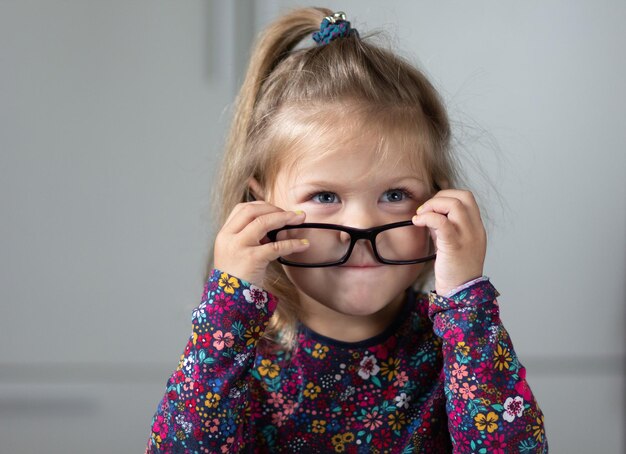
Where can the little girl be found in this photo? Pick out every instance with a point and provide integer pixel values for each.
(338, 199)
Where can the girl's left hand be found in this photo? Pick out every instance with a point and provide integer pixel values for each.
(455, 225)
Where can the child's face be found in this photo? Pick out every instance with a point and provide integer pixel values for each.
(352, 187)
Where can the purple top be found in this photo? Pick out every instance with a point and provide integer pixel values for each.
(443, 377)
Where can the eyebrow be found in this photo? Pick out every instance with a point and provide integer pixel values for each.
(336, 185)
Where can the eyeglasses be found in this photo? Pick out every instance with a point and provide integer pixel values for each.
(399, 243)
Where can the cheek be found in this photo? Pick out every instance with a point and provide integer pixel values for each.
(323, 283)
(303, 277)
(411, 273)
(308, 280)
(404, 209)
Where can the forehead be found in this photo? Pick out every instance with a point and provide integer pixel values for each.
(358, 161)
(348, 145)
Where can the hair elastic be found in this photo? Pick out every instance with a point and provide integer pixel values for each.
(332, 27)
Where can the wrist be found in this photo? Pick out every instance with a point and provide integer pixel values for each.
(239, 287)
(464, 286)
(479, 293)
(447, 290)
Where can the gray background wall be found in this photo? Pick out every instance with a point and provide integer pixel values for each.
(112, 116)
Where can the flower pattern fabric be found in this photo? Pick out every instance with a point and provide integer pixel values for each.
(443, 378)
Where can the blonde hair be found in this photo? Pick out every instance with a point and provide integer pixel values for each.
(288, 93)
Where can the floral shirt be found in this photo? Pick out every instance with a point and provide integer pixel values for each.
(442, 378)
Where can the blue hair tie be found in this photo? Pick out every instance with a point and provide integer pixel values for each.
(332, 27)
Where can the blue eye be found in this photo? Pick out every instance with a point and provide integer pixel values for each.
(395, 195)
(325, 197)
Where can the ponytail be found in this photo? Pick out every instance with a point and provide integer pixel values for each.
(273, 46)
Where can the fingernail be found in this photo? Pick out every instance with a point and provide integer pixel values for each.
(299, 212)
(420, 208)
(304, 241)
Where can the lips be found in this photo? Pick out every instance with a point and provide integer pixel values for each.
(361, 262)
(360, 265)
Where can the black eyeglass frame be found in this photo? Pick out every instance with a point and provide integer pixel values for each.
(355, 235)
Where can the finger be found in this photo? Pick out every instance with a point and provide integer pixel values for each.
(237, 209)
(451, 207)
(462, 194)
(257, 229)
(244, 213)
(468, 200)
(441, 226)
(271, 251)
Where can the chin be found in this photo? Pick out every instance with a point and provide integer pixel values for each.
(360, 303)
(358, 312)
(353, 292)
(355, 302)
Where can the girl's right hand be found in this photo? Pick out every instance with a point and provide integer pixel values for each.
(242, 248)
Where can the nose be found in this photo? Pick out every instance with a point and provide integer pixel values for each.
(360, 217)
(344, 237)
(360, 221)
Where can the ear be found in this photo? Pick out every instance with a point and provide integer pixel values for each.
(255, 190)
(442, 183)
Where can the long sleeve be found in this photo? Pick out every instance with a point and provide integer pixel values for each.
(489, 404)
(207, 398)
